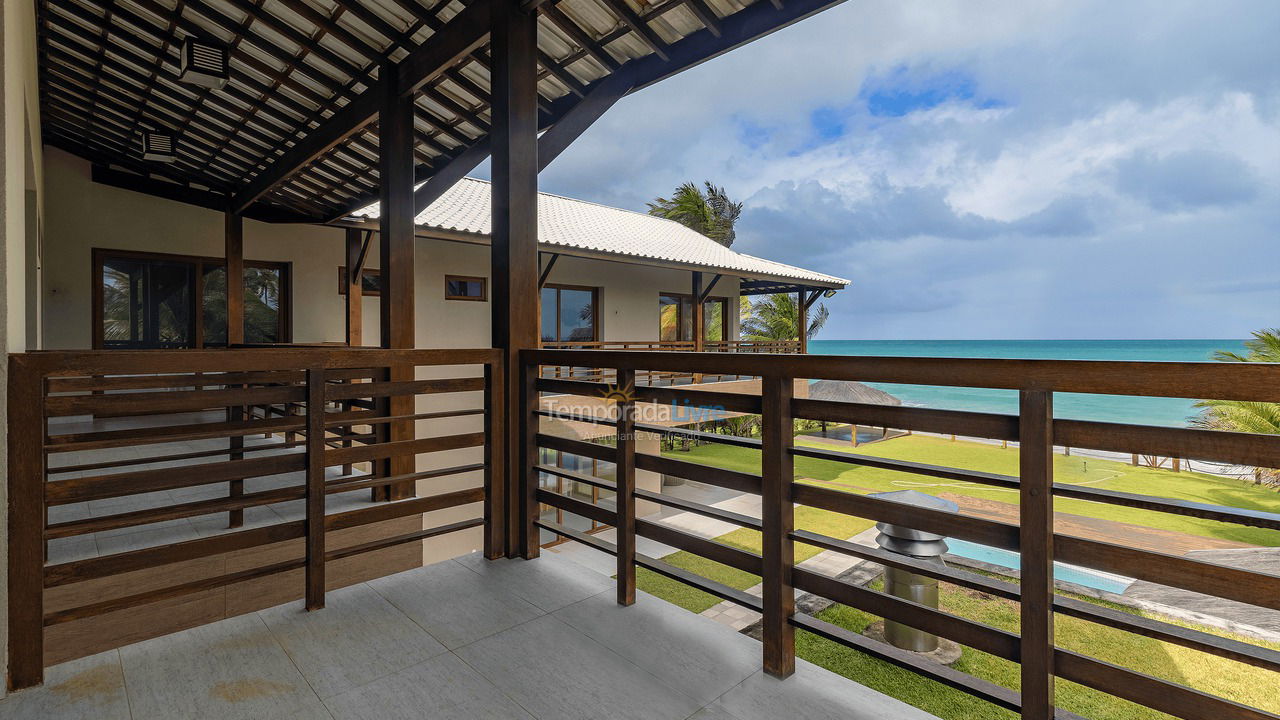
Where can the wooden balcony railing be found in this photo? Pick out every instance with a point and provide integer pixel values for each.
(773, 347)
(71, 476)
(1036, 431)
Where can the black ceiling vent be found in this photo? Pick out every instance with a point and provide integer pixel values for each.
(204, 62)
(158, 146)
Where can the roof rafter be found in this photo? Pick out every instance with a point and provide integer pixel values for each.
(464, 33)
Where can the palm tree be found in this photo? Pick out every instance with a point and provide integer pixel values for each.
(711, 213)
(777, 317)
(1246, 416)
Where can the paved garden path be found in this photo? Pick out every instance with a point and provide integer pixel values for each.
(1111, 531)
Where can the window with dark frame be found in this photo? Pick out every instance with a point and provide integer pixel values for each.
(148, 300)
(570, 313)
(465, 287)
(675, 318)
(370, 281)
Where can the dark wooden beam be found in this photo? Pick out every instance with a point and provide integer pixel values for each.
(546, 270)
(364, 250)
(705, 15)
(640, 26)
(812, 298)
(104, 175)
(514, 250)
(706, 292)
(396, 257)
(449, 174)
(463, 34)
(356, 245)
(575, 32)
(581, 116)
(233, 237)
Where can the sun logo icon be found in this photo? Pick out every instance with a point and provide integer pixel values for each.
(618, 394)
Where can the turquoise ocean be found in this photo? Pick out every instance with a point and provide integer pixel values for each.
(1108, 408)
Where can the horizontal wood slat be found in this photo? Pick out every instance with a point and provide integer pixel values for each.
(1225, 381)
(607, 453)
(348, 456)
(174, 381)
(676, 396)
(64, 363)
(173, 591)
(964, 682)
(404, 387)
(897, 417)
(908, 466)
(987, 532)
(401, 508)
(105, 439)
(1212, 445)
(159, 556)
(1172, 698)
(973, 634)
(170, 401)
(1251, 587)
(172, 512)
(720, 477)
(1139, 624)
(101, 487)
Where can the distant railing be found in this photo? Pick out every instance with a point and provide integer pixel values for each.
(780, 347)
(348, 408)
(1034, 537)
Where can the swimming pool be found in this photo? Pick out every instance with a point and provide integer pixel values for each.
(1095, 579)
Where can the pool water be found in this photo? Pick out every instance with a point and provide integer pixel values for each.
(1075, 574)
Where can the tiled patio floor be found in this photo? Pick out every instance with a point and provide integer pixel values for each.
(465, 638)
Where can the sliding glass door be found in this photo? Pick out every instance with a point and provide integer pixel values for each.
(149, 300)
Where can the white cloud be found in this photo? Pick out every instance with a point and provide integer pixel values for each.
(1112, 167)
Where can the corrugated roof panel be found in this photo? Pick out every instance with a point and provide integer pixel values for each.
(577, 224)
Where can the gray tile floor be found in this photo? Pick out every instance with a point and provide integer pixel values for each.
(466, 638)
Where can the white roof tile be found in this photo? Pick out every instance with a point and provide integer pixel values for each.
(569, 224)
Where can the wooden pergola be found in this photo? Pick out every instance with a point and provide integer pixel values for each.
(332, 104)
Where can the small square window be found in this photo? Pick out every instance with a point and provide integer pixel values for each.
(457, 287)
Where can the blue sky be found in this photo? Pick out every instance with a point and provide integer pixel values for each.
(1035, 169)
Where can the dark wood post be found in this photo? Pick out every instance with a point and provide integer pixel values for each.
(1035, 464)
(26, 524)
(802, 321)
(777, 515)
(315, 489)
(234, 252)
(522, 534)
(395, 245)
(625, 478)
(699, 318)
(495, 503)
(514, 250)
(355, 289)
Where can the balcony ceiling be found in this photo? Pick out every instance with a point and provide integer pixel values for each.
(109, 70)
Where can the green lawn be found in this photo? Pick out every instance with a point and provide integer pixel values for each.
(1235, 681)
(992, 458)
(1225, 678)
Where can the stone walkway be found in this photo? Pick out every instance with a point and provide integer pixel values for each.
(1261, 560)
(827, 562)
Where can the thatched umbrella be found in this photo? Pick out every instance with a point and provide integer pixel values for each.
(849, 391)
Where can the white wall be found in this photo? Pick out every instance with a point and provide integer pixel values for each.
(84, 215)
(20, 210)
